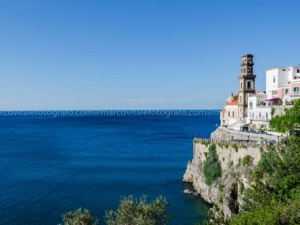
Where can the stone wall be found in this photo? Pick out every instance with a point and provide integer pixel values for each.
(223, 133)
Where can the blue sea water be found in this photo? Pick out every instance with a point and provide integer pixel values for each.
(50, 165)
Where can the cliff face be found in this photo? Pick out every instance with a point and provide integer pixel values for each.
(227, 190)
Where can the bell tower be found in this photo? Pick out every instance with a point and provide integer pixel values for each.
(246, 84)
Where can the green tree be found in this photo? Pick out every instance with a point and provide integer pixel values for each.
(139, 212)
(274, 197)
(290, 121)
(212, 169)
(79, 218)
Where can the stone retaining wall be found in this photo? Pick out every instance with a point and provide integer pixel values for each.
(224, 134)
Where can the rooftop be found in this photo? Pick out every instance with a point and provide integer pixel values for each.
(233, 103)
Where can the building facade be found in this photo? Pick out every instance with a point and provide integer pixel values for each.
(283, 83)
(230, 113)
(235, 110)
(259, 111)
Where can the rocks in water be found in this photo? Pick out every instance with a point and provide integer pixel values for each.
(187, 191)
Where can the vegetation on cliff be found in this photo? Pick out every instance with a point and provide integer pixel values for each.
(274, 194)
(274, 197)
(212, 168)
(130, 212)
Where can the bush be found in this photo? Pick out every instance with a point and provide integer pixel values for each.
(196, 141)
(247, 160)
(212, 169)
(235, 147)
(79, 218)
(241, 187)
(130, 212)
(239, 163)
(220, 145)
(244, 146)
(139, 212)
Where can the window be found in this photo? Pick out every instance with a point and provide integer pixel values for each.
(274, 79)
(259, 115)
(233, 114)
(283, 69)
(296, 90)
(241, 84)
(241, 99)
(267, 115)
(298, 71)
(228, 113)
(249, 84)
(250, 103)
(286, 91)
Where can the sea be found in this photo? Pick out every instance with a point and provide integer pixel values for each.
(52, 164)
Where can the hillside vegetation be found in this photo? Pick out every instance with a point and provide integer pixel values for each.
(274, 194)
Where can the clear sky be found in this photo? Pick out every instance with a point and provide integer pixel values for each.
(138, 54)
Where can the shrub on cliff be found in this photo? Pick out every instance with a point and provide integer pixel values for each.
(274, 196)
(247, 160)
(212, 169)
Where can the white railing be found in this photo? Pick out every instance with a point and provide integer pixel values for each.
(263, 106)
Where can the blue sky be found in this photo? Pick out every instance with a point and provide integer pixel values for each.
(138, 54)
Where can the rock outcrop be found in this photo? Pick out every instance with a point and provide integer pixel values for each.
(226, 191)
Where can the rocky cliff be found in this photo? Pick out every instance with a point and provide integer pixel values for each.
(236, 160)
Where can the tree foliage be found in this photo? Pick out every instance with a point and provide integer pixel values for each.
(212, 169)
(79, 218)
(130, 212)
(139, 212)
(274, 196)
(290, 121)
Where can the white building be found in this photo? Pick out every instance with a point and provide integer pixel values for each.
(259, 111)
(282, 83)
(280, 77)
